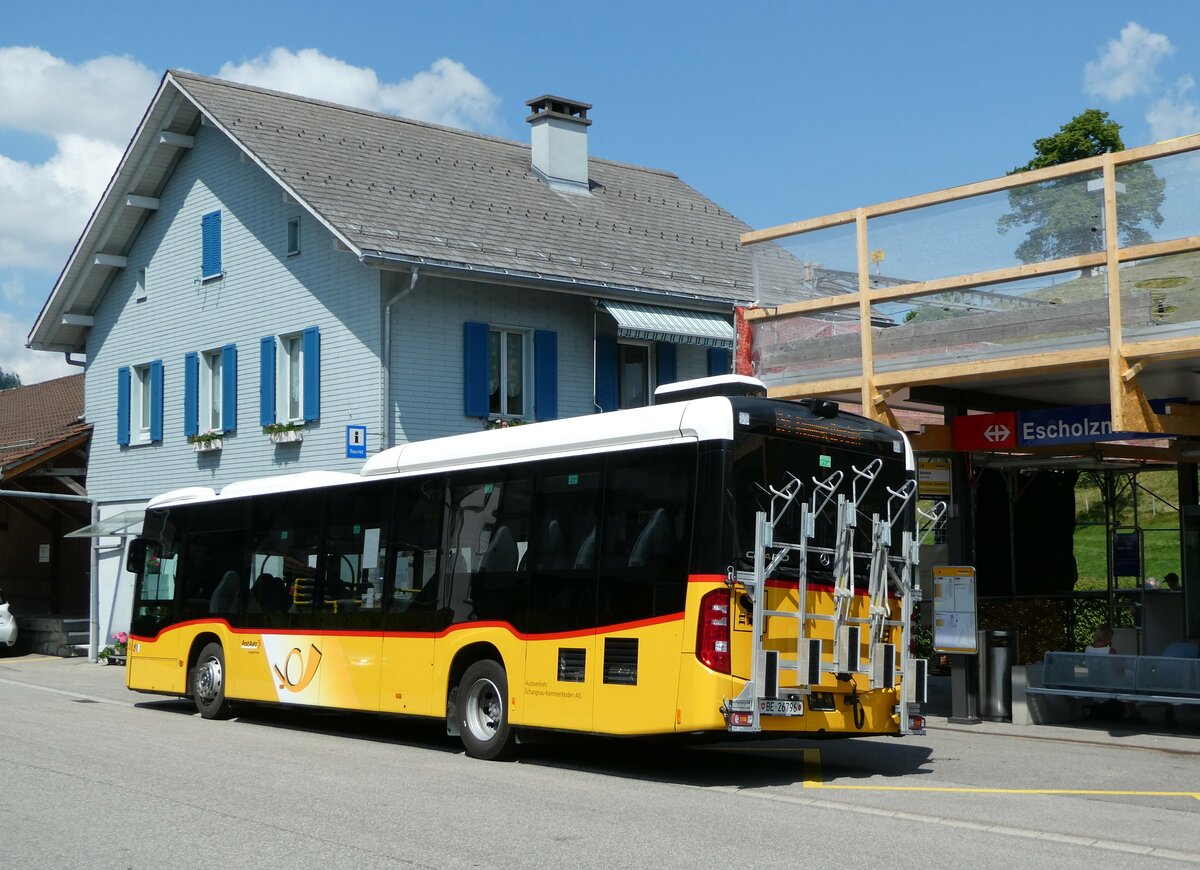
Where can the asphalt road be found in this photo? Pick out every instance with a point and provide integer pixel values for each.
(94, 776)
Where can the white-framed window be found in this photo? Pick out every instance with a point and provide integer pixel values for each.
(210, 391)
(289, 384)
(510, 372)
(293, 237)
(635, 374)
(141, 402)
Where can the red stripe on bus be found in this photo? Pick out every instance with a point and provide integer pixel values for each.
(462, 626)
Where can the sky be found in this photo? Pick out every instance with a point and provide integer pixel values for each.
(776, 111)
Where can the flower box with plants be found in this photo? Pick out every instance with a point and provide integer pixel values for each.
(115, 652)
(206, 441)
(285, 433)
(502, 422)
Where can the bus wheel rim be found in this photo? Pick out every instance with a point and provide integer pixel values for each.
(208, 680)
(484, 709)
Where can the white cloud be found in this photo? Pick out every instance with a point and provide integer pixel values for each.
(34, 366)
(46, 205)
(447, 93)
(90, 110)
(99, 99)
(1128, 65)
(12, 289)
(1175, 114)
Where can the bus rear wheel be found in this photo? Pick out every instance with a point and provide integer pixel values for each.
(208, 683)
(483, 711)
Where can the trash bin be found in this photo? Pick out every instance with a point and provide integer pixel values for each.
(995, 675)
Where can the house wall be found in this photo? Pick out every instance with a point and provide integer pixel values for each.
(263, 292)
(426, 390)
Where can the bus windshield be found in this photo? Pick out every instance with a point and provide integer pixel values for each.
(762, 461)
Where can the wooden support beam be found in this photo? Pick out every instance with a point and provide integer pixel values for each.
(149, 203)
(114, 260)
(78, 320)
(176, 140)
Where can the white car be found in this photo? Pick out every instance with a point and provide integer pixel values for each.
(8, 624)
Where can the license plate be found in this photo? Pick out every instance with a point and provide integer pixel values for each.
(776, 707)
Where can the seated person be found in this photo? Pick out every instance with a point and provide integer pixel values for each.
(1101, 642)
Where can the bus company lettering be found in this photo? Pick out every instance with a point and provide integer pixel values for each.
(1085, 428)
(296, 673)
(251, 645)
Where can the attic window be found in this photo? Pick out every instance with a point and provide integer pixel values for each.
(293, 237)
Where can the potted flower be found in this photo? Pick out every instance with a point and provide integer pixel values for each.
(502, 422)
(114, 653)
(284, 433)
(206, 441)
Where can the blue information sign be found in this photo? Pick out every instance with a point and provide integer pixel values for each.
(356, 442)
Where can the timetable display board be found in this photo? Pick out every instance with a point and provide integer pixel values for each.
(954, 610)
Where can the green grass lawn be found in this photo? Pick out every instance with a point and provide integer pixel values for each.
(1158, 520)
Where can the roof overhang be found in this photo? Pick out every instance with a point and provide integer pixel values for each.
(164, 135)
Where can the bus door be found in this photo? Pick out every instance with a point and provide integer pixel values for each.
(157, 665)
(412, 594)
(281, 602)
(561, 669)
(351, 594)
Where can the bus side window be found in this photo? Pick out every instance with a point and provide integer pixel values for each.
(490, 521)
(646, 533)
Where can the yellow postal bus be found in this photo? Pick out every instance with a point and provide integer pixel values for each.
(714, 563)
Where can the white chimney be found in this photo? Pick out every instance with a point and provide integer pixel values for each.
(559, 139)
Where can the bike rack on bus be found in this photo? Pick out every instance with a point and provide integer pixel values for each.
(808, 661)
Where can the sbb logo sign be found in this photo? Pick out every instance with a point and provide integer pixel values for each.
(985, 431)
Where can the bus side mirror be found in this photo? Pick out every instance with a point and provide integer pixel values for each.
(135, 556)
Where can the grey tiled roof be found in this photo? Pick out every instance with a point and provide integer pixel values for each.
(417, 190)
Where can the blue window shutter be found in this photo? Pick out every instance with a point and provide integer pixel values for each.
(312, 374)
(545, 374)
(475, 369)
(606, 372)
(229, 387)
(191, 394)
(718, 361)
(210, 244)
(266, 380)
(665, 357)
(123, 406)
(156, 401)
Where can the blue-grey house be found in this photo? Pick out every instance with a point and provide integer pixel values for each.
(273, 284)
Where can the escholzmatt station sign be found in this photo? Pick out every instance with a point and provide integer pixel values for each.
(1044, 427)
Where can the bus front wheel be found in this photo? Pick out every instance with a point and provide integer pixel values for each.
(208, 683)
(483, 711)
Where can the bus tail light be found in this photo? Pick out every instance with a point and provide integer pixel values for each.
(712, 635)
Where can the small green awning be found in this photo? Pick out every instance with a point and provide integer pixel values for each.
(676, 325)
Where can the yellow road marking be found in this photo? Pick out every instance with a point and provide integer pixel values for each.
(812, 779)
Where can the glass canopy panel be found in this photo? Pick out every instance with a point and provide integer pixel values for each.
(1015, 318)
(1159, 200)
(806, 266)
(1160, 297)
(806, 347)
(1032, 223)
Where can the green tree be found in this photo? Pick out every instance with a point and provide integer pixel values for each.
(1064, 217)
(8, 380)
